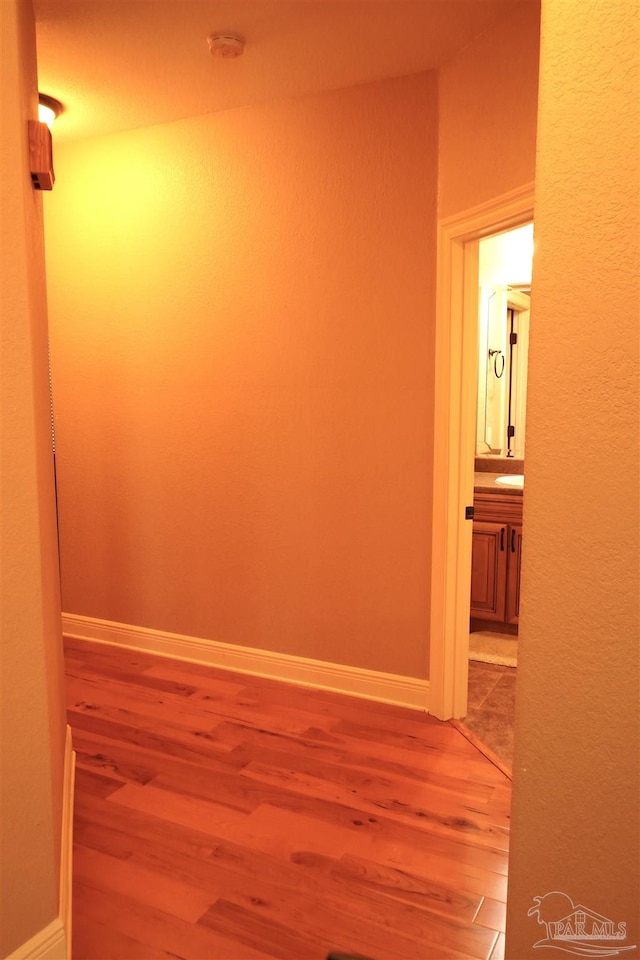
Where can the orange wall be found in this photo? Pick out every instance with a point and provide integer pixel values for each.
(488, 104)
(576, 789)
(242, 330)
(33, 713)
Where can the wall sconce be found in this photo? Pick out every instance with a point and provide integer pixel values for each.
(40, 143)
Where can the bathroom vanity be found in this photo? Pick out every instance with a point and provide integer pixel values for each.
(497, 552)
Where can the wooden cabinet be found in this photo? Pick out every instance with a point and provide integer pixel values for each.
(488, 571)
(495, 562)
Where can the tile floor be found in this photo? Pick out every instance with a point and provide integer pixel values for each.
(492, 695)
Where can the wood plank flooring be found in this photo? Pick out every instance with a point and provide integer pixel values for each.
(225, 817)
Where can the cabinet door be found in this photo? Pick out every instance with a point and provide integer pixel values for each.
(489, 571)
(513, 574)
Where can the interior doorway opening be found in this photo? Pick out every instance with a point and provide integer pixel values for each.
(505, 263)
(457, 340)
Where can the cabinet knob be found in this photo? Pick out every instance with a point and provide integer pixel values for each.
(502, 538)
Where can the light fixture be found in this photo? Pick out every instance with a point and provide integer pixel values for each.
(48, 109)
(40, 143)
(225, 45)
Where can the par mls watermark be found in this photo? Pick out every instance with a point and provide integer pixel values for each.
(574, 928)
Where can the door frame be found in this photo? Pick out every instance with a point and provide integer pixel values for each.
(456, 350)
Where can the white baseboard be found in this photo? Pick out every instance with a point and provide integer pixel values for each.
(339, 678)
(53, 942)
(49, 944)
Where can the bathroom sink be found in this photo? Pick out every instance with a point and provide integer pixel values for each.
(512, 480)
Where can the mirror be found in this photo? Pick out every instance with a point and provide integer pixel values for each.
(503, 344)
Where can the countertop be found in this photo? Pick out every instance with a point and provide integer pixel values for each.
(486, 483)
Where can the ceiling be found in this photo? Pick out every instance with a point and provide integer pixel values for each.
(121, 64)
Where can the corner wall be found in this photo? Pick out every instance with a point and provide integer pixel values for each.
(576, 784)
(33, 710)
(242, 339)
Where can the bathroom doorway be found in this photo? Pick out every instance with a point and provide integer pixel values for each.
(457, 338)
(505, 263)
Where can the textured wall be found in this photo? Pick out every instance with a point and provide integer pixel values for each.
(488, 102)
(242, 326)
(33, 715)
(575, 811)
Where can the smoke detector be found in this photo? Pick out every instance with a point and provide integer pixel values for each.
(225, 45)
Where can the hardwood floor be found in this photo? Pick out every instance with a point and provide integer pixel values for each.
(226, 817)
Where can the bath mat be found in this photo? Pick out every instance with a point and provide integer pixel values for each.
(487, 647)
